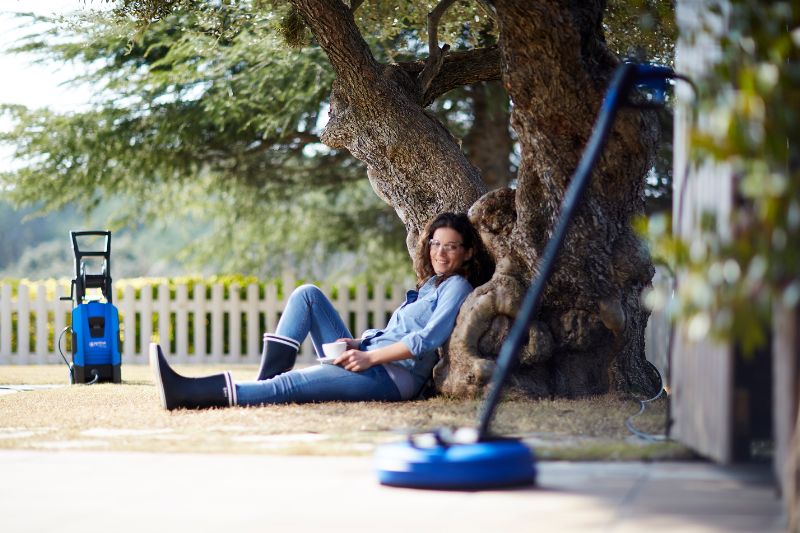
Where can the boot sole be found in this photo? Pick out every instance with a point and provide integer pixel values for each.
(155, 365)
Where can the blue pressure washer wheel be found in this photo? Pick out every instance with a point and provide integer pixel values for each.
(455, 466)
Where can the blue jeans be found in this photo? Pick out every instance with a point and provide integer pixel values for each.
(308, 311)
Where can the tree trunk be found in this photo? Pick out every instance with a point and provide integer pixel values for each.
(589, 334)
(413, 162)
(488, 145)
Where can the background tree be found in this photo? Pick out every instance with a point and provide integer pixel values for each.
(180, 126)
(554, 64)
(555, 67)
(184, 98)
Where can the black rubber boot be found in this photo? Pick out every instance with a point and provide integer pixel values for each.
(190, 393)
(278, 355)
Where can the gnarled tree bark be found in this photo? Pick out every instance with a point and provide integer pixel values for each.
(589, 335)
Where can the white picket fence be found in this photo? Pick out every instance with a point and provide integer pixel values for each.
(30, 325)
(195, 331)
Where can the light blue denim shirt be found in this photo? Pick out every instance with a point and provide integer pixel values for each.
(423, 323)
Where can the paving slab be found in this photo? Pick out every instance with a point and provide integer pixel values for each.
(119, 491)
(11, 389)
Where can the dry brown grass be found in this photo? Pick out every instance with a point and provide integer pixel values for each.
(128, 416)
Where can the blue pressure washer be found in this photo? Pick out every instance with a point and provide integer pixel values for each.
(469, 458)
(95, 324)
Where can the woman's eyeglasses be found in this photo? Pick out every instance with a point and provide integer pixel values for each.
(448, 248)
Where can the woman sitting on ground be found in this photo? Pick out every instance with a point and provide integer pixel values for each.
(388, 364)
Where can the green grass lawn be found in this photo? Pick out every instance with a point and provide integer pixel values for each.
(128, 416)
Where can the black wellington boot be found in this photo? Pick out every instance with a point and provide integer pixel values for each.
(278, 355)
(191, 393)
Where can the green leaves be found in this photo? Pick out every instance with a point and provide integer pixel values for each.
(202, 112)
(748, 107)
(641, 29)
(201, 109)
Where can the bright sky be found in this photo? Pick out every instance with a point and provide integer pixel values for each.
(36, 85)
(30, 84)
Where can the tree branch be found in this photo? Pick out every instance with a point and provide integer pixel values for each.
(488, 8)
(458, 69)
(333, 25)
(436, 55)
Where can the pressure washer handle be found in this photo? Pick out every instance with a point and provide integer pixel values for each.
(83, 280)
(71, 292)
(626, 77)
(106, 252)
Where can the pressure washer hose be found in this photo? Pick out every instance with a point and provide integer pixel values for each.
(69, 365)
(58, 344)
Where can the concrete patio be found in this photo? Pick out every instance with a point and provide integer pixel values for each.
(83, 491)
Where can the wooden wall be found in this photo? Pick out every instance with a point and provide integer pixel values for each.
(702, 371)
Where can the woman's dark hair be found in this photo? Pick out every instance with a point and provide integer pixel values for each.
(478, 269)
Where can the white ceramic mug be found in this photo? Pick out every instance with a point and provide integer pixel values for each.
(334, 349)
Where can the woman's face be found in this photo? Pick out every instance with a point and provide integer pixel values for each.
(447, 251)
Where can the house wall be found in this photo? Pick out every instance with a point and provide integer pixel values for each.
(703, 400)
(701, 370)
(785, 379)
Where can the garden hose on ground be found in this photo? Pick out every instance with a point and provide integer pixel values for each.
(643, 403)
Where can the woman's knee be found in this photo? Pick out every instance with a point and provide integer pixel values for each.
(307, 293)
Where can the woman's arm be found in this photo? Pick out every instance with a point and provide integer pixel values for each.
(439, 326)
(357, 360)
